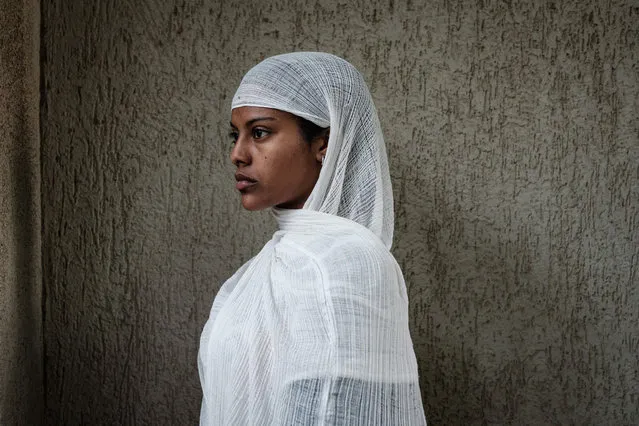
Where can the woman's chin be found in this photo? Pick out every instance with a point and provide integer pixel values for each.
(251, 204)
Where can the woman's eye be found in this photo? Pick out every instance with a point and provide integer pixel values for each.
(259, 133)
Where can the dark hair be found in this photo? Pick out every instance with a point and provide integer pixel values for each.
(310, 131)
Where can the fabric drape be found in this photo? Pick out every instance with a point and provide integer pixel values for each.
(314, 329)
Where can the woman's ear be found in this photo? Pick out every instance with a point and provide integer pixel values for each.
(322, 144)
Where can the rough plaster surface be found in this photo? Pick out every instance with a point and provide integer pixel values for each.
(514, 148)
(21, 391)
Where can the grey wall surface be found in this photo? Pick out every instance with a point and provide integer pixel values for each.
(21, 372)
(514, 148)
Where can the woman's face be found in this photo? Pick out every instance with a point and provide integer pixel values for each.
(275, 165)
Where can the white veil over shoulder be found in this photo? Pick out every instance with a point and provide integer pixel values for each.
(314, 329)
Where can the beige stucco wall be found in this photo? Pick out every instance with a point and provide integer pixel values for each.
(514, 148)
(21, 372)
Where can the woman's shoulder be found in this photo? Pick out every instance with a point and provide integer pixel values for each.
(349, 250)
(331, 240)
(346, 264)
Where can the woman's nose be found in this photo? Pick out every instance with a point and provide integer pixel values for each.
(239, 153)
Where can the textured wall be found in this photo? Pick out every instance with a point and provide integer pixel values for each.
(514, 148)
(21, 391)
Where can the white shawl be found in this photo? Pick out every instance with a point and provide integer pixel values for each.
(314, 329)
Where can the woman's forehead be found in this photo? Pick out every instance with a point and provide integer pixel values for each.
(251, 114)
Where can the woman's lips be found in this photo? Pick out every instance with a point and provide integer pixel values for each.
(243, 181)
(241, 185)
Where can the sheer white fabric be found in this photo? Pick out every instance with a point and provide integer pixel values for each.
(314, 329)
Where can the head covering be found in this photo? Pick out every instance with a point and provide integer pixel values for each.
(327, 90)
(314, 329)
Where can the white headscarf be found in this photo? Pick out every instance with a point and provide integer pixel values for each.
(330, 92)
(314, 329)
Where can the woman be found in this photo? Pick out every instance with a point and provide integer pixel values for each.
(314, 329)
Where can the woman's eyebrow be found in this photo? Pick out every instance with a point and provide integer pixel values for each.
(248, 123)
(254, 120)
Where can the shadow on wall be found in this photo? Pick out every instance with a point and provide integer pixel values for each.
(489, 336)
(22, 358)
(478, 363)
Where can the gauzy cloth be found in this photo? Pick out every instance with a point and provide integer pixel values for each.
(314, 329)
